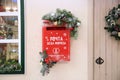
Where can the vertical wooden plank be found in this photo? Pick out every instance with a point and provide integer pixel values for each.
(96, 39)
(114, 60)
(102, 39)
(118, 57)
(105, 46)
(114, 50)
(99, 35)
(108, 46)
(90, 40)
(118, 62)
(108, 58)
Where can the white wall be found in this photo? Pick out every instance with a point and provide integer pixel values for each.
(77, 68)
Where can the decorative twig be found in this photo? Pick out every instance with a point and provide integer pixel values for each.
(46, 63)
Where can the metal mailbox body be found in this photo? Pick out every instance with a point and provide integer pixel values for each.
(56, 42)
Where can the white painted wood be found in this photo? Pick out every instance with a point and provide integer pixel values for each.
(90, 40)
(108, 49)
(18, 14)
(9, 13)
(105, 46)
(102, 39)
(96, 39)
(118, 62)
(9, 41)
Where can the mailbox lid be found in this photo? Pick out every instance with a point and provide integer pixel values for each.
(56, 42)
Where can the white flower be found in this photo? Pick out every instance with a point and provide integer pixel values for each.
(78, 23)
(52, 14)
(108, 20)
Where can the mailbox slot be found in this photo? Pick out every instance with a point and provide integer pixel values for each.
(56, 28)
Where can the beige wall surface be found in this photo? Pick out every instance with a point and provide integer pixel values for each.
(77, 68)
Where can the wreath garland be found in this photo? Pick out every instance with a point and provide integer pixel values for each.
(113, 22)
(59, 18)
(64, 18)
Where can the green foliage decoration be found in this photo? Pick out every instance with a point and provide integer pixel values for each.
(10, 65)
(46, 64)
(113, 22)
(60, 17)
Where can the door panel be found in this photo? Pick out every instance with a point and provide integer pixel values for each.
(105, 46)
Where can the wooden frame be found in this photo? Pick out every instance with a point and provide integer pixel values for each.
(90, 39)
(11, 36)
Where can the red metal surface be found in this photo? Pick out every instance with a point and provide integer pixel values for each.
(56, 42)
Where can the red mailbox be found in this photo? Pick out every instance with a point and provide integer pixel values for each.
(56, 42)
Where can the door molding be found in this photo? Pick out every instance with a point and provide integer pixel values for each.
(90, 38)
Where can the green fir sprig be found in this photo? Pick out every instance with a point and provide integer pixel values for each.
(61, 17)
(46, 64)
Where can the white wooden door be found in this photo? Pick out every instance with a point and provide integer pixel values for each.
(105, 46)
